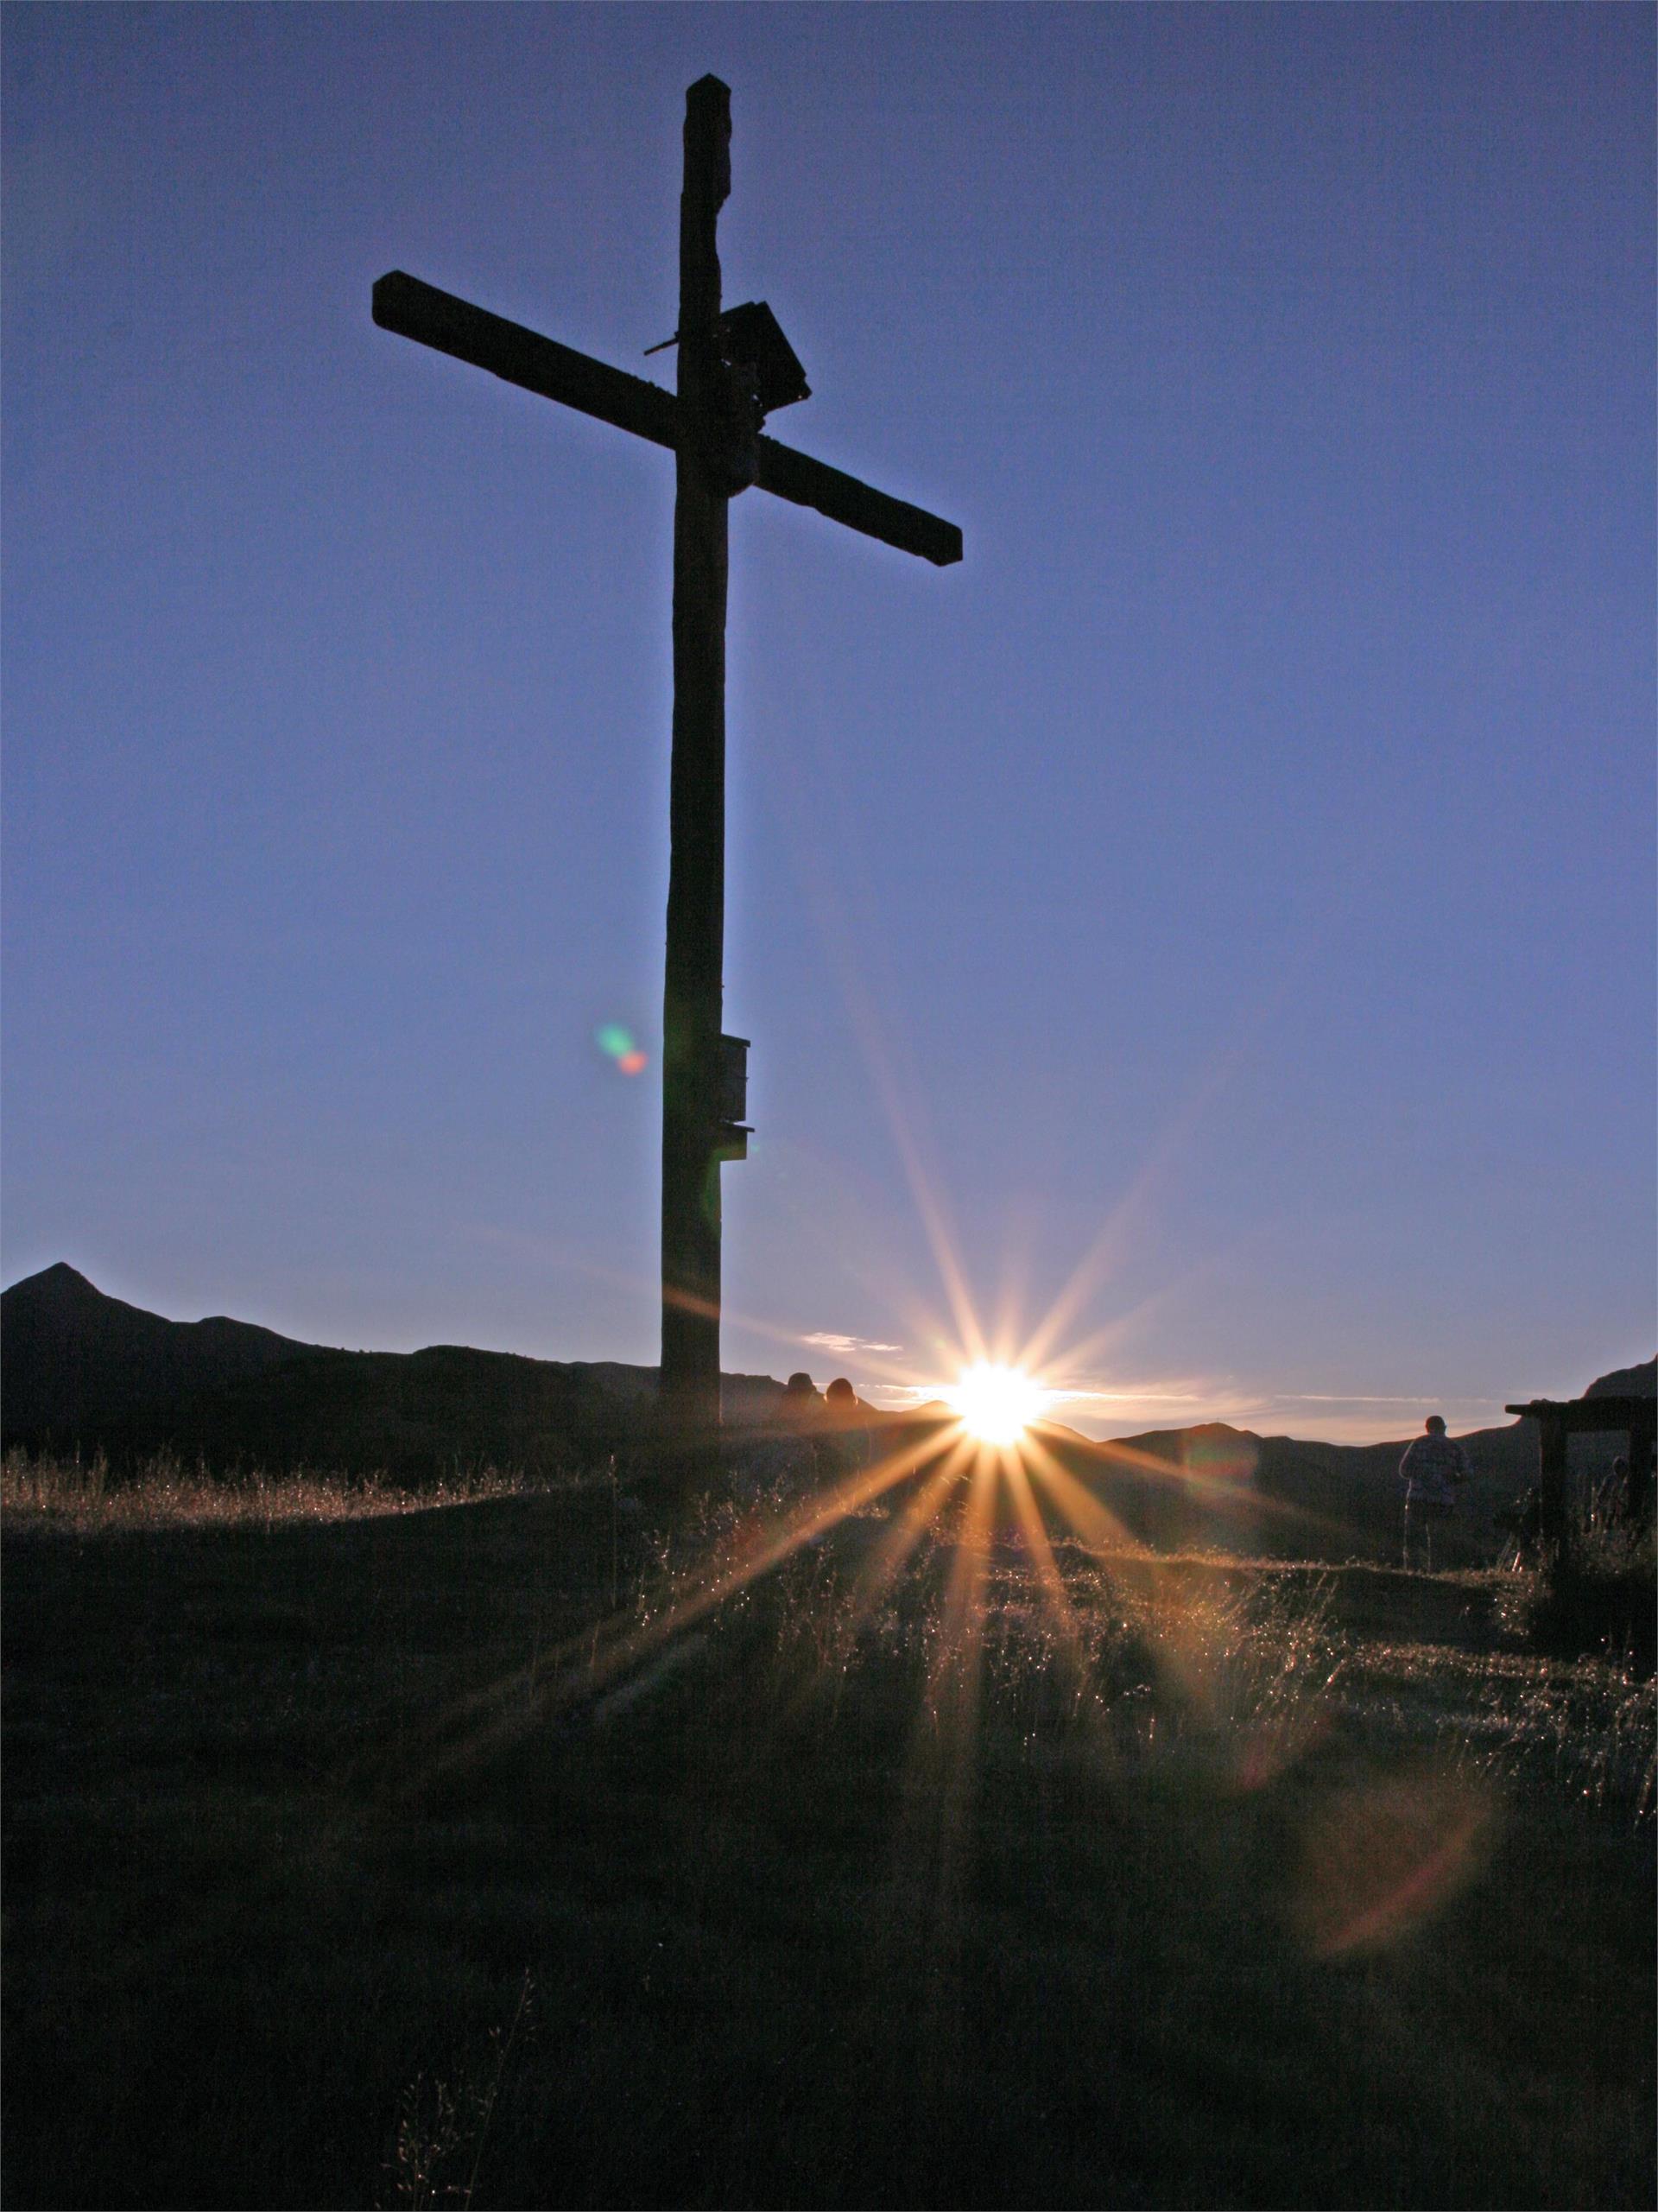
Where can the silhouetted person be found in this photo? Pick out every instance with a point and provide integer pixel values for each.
(803, 1400)
(786, 1451)
(1641, 1487)
(1524, 1523)
(1431, 1469)
(850, 1439)
(1635, 1503)
(800, 1428)
(1612, 1503)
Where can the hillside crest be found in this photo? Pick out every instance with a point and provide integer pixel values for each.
(86, 1373)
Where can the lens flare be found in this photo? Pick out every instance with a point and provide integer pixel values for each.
(618, 1044)
(997, 1404)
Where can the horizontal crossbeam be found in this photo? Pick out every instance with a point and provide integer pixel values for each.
(844, 499)
(1579, 1416)
(404, 304)
(520, 357)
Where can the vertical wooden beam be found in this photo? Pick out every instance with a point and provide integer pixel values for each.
(1551, 1477)
(693, 986)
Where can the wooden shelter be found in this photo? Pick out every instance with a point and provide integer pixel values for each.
(1559, 1418)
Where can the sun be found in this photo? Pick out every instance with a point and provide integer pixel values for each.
(997, 1404)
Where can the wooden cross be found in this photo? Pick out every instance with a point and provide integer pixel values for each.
(712, 428)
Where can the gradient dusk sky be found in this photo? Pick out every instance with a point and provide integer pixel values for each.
(1223, 906)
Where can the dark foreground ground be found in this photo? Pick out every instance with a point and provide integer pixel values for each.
(361, 1863)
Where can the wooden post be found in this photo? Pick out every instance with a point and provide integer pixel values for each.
(693, 986)
(1551, 1477)
(713, 426)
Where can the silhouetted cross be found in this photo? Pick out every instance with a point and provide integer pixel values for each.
(712, 427)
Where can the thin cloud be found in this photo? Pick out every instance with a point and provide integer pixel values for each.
(1358, 1398)
(833, 1341)
(1121, 1407)
(1149, 1396)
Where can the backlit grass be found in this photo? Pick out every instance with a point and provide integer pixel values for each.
(379, 1857)
(166, 1493)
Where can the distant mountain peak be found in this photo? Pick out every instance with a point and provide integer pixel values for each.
(74, 1355)
(59, 1276)
(1627, 1382)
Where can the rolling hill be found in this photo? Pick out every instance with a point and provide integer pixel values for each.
(86, 1373)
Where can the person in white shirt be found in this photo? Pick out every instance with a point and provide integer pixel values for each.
(1431, 1470)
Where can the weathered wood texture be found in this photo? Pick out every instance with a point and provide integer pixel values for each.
(1591, 1417)
(1559, 1418)
(844, 499)
(507, 350)
(711, 428)
(1553, 1477)
(413, 309)
(693, 985)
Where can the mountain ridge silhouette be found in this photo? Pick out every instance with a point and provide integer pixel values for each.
(86, 1373)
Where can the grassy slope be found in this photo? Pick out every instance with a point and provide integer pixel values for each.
(1279, 1887)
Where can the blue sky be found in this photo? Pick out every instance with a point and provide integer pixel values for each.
(1224, 905)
